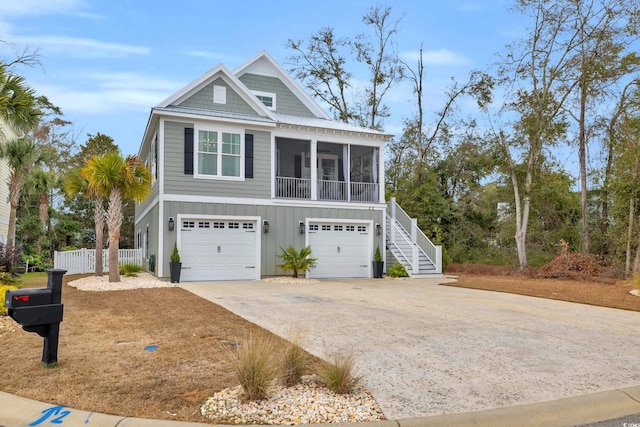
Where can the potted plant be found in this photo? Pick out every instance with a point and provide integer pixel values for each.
(378, 264)
(175, 266)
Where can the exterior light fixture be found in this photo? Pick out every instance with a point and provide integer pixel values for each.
(301, 227)
(378, 229)
(265, 226)
(172, 223)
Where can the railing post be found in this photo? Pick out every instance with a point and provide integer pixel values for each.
(415, 262)
(438, 260)
(392, 239)
(84, 256)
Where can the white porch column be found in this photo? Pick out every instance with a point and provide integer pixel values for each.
(381, 175)
(313, 165)
(415, 261)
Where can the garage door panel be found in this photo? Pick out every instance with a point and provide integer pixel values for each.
(342, 250)
(219, 250)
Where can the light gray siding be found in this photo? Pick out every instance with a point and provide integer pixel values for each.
(177, 182)
(203, 100)
(283, 225)
(154, 189)
(150, 221)
(286, 101)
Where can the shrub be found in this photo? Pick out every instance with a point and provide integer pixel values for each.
(8, 279)
(397, 270)
(293, 363)
(377, 256)
(3, 289)
(255, 365)
(41, 261)
(296, 261)
(175, 256)
(130, 269)
(337, 373)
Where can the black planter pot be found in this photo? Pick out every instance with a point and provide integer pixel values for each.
(174, 270)
(378, 267)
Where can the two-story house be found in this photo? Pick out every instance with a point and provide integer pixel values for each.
(246, 162)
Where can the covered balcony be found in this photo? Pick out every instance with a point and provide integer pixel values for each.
(341, 172)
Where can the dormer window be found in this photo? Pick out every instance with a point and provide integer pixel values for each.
(267, 98)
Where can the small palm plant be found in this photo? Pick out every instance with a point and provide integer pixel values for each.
(296, 261)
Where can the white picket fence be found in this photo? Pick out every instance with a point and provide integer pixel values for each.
(84, 260)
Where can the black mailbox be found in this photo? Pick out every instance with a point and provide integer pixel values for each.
(31, 307)
(40, 311)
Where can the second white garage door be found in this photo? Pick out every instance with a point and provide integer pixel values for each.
(218, 249)
(342, 249)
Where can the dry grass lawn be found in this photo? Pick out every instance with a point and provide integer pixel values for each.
(103, 365)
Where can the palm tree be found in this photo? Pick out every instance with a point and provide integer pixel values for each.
(296, 261)
(118, 179)
(39, 184)
(18, 112)
(74, 184)
(21, 155)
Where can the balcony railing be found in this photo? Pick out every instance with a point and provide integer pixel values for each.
(293, 188)
(332, 190)
(364, 192)
(300, 188)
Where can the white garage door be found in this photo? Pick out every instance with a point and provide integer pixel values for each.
(218, 249)
(342, 249)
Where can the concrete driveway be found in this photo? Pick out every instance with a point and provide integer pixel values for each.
(427, 350)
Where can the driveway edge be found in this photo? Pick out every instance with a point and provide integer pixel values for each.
(18, 411)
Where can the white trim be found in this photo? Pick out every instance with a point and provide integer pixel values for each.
(218, 72)
(160, 255)
(271, 95)
(199, 117)
(288, 81)
(148, 209)
(330, 136)
(272, 202)
(258, 229)
(370, 234)
(219, 129)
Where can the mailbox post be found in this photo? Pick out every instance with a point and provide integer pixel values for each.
(40, 311)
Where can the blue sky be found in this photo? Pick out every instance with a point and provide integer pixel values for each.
(106, 63)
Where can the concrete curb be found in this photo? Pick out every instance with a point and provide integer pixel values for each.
(21, 412)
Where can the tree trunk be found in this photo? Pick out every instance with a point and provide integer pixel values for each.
(99, 221)
(114, 222)
(627, 264)
(14, 197)
(582, 153)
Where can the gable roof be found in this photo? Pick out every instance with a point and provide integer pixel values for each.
(264, 64)
(222, 72)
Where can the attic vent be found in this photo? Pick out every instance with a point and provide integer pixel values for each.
(219, 94)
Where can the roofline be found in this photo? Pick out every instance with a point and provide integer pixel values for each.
(230, 79)
(307, 100)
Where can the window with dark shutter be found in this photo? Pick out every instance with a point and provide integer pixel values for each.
(248, 156)
(188, 151)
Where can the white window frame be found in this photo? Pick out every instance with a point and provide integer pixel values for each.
(196, 151)
(271, 95)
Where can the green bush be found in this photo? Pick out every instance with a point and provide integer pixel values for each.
(255, 365)
(296, 261)
(175, 256)
(397, 270)
(3, 289)
(293, 363)
(40, 261)
(9, 279)
(130, 269)
(377, 256)
(337, 373)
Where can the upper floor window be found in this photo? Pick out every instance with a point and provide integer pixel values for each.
(219, 154)
(267, 98)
